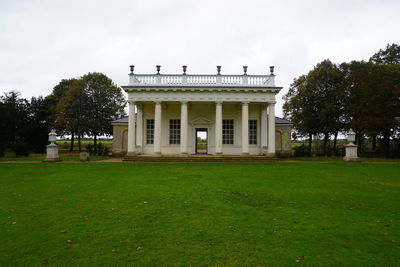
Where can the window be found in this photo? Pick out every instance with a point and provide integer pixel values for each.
(150, 132)
(252, 132)
(227, 132)
(174, 132)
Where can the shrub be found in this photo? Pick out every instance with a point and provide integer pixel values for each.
(301, 151)
(90, 149)
(106, 151)
(2, 149)
(21, 149)
(99, 149)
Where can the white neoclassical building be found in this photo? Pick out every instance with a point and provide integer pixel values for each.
(185, 114)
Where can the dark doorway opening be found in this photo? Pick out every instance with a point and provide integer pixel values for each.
(201, 141)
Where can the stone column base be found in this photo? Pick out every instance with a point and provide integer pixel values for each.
(351, 153)
(184, 154)
(270, 155)
(244, 154)
(157, 154)
(351, 159)
(131, 154)
(218, 154)
(52, 153)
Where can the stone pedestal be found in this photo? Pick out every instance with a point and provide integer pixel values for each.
(84, 156)
(351, 153)
(52, 153)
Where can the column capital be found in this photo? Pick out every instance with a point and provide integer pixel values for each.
(184, 102)
(245, 102)
(131, 102)
(218, 102)
(272, 103)
(157, 102)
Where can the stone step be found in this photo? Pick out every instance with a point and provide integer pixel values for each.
(200, 159)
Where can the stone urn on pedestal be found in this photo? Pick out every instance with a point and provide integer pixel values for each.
(351, 148)
(52, 149)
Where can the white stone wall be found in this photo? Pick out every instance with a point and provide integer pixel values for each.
(201, 115)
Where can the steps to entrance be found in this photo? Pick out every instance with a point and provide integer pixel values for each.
(199, 158)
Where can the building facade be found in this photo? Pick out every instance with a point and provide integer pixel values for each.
(201, 114)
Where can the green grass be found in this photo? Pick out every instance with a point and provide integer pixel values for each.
(64, 156)
(200, 214)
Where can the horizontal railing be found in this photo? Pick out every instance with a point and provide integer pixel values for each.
(201, 80)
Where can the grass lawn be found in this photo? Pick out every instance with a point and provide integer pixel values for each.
(200, 214)
(65, 156)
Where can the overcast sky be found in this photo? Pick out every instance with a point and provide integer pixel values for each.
(44, 41)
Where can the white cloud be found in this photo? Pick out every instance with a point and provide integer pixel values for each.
(42, 42)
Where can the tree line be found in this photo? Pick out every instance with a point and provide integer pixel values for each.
(78, 107)
(362, 95)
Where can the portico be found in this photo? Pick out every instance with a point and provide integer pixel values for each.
(237, 112)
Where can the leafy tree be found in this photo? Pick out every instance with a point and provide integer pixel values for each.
(24, 124)
(326, 80)
(390, 55)
(88, 105)
(71, 110)
(38, 123)
(105, 103)
(374, 91)
(315, 102)
(300, 107)
(54, 98)
(13, 118)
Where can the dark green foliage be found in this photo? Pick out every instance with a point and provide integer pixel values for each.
(2, 149)
(88, 106)
(301, 151)
(98, 149)
(390, 55)
(364, 96)
(21, 149)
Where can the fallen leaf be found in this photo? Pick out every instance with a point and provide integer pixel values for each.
(63, 231)
(299, 259)
(45, 261)
(139, 248)
(69, 241)
(14, 223)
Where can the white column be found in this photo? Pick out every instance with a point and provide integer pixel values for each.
(131, 130)
(184, 127)
(264, 128)
(218, 128)
(157, 128)
(245, 128)
(271, 129)
(139, 128)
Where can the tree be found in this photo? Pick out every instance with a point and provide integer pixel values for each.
(374, 103)
(13, 118)
(38, 123)
(315, 102)
(24, 124)
(88, 106)
(54, 98)
(71, 110)
(326, 80)
(105, 103)
(390, 55)
(300, 107)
